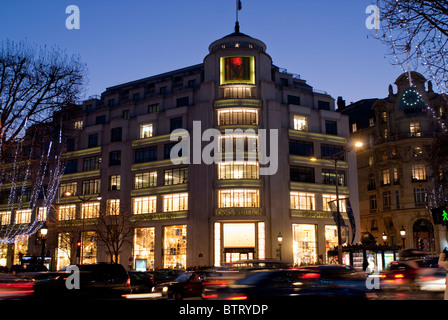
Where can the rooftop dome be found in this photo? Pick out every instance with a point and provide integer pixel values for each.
(237, 40)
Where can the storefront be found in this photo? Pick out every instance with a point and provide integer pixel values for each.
(175, 246)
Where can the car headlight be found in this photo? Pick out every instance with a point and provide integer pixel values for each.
(153, 289)
(165, 289)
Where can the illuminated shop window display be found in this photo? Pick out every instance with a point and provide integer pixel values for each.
(331, 239)
(3, 253)
(175, 246)
(89, 247)
(64, 250)
(20, 247)
(239, 170)
(238, 116)
(238, 69)
(304, 244)
(229, 198)
(239, 241)
(144, 239)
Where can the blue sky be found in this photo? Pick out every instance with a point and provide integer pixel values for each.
(325, 41)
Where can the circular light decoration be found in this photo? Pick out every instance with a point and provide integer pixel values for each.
(411, 97)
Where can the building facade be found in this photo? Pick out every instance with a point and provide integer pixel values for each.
(119, 169)
(393, 170)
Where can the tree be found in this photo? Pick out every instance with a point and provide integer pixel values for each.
(438, 180)
(34, 83)
(416, 33)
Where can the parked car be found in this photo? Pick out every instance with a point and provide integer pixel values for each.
(188, 284)
(402, 274)
(141, 281)
(98, 281)
(290, 284)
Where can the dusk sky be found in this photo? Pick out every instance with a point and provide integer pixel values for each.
(325, 41)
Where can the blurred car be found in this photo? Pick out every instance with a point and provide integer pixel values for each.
(12, 287)
(314, 281)
(165, 275)
(432, 279)
(403, 274)
(188, 284)
(18, 268)
(141, 281)
(98, 281)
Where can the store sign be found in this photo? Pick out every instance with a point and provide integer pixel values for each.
(239, 212)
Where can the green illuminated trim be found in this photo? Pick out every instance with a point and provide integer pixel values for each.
(81, 175)
(238, 103)
(239, 183)
(155, 139)
(240, 211)
(222, 68)
(81, 153)
(160, 190)
(159, 216)
(316, 136)
(300, 160)
(14, 206)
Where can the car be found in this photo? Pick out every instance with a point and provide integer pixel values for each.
(188, 284)
(326, 281)
(18, 268)
(432, 279)
(12, 287)
(98, 281)
(402, 274)
(141, 281)
(165, 275)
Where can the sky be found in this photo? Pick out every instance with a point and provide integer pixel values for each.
(326, 42)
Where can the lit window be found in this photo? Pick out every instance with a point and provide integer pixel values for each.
(418, 172)
(238, 170)
(67, 189)
(326, 198)
(67, 212)
(114, 182)
(175, 246)
(113, 207)
(144, 239)
(414, 128)
(23, 216)
(175, 202)
(145, 205)
(237, 70)
(176, 176)
(238, 198)
(238, 116)
(300, 123)
(238, 143)
(78, 125)
(145, 180)
(303, 201)
(386, 177)
(41, 214)
(146, 130)
(5, 218)
(90, 210)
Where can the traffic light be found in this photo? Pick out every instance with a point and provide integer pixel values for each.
(78, 249)
(440, 216)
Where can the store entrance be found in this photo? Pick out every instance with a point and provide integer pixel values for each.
(236, 254)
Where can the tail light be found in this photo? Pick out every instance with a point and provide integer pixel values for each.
(237, 298)
(128, 282)
(210, 296)
(429, 278)
(399, 276)
(311, 275)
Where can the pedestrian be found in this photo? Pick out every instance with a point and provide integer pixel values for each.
(443, 262)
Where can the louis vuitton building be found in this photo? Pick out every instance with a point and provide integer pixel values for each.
(119, 170)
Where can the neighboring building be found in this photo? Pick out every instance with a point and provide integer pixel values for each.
(393, 169)
(118, 164)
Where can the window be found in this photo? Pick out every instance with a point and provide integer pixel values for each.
(144, 239)
(354, 127)
(23, 216)
(331, 127)
(300, 123)
(167, 150)
(5, 218)
(136, 96)
(237, 70)
(323, 105)
(304, 244)
(414, 128)
(111, 102)
(418, 172)
(175, 123)
(93, 141)
(116, 134)
(419, 196)
(114, 182)
(386, 177)
(371, 161)
(372, 202)
(145, 180)
(90, 210)
(396, 179)
(67, 212)
(146, 130)
(113, 207)
(67, 189)
(91, 186)
(328, 177)
(145, 205)
(235, 92)
(184, 101)
(397, 199)
(163, 91)
(371, 122)
(70, 144)
(71, 166)
(192, 83)
(115, 158)
(301, 148)
(238, 170)
(301, 174)
(303, 201)
(238, 116)
(126, 114)
(175, 202)
(386, 200)
(146, 154)
(329, 150)
(238, 143)
(230, 198)
(384, 117)
(327, 198)
(175, 247)
(293, 100)
(372, 182)
(41, 213)
(100, 119)
(176, 176)
(91, 163)
(78, 125)
(153, 108)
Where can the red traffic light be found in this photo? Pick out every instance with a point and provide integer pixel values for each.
(78, 244)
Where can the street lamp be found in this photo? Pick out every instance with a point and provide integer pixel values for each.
(43, 234)
(384, 237)
(280, 240)
(336, 157)
(403, 235)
